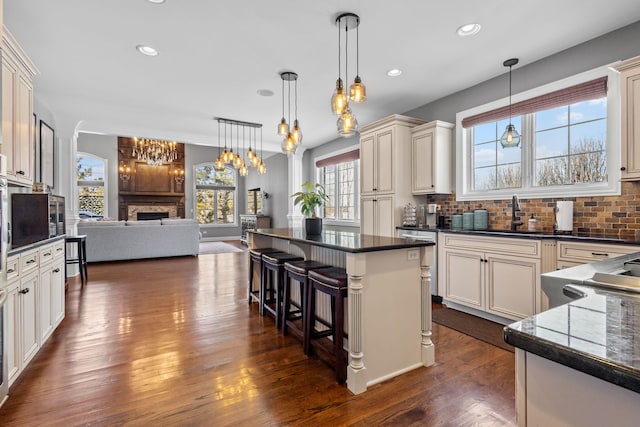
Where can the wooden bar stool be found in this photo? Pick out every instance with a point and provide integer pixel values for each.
(333, 282)
(272, 281)
(255, 257)
(81, 249)
(296, 270)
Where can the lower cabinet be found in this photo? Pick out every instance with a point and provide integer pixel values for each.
(480, 273)
(35, 305)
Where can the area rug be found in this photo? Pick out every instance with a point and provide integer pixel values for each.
(477, 327)
(217, 248)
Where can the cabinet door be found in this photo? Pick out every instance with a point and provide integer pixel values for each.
(367, 164)
(512, 286)
(57, 293)
(45, 326)
(630, 82)
(29, 331)
(8, 76)
(384, 216)
(464, 277)
(367, 215)
(385, 158)
(12, 317)
(24, 150)
(422, 180)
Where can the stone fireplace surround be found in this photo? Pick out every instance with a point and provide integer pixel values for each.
(130, 205)
(133, 210)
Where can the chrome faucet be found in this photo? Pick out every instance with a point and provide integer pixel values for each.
(515, 207)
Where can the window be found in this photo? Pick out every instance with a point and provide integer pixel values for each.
(215, 195)
(91, 182)
(569, 142)
(339, 176)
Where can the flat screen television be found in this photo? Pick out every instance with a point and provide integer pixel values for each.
(36, 217)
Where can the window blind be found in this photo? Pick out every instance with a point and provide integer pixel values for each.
(592, 89)
(340, 158)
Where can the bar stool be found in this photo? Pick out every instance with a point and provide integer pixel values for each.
(272, 281)
(81, 260)
(333, 282)
(296, 270)
(255, 257)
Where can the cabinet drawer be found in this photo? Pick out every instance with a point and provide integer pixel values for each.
(587, 252)
(45, 254)
(13, 267)
(28, 261)
(58, 249)
(506, 245)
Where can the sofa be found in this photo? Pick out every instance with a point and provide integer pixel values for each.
(123, 240)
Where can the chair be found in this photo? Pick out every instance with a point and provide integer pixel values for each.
(81, 249)
(255, 257)
(272, 281)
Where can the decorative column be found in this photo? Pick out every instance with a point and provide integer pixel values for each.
(356, 371)
(427, 348)
(295, 183)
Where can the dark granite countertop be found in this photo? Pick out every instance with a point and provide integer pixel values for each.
(14, 251)
(597, 334)
(523, 234)
(346, 241)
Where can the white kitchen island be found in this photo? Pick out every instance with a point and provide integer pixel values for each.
(389, 299)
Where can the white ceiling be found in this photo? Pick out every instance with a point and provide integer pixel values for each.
(215, 55)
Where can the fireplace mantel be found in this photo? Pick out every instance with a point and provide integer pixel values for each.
(129, 205)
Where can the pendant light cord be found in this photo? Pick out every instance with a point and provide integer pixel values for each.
(510, 93)
(283, 98)
(219, 144)
(296, 99)
(358, 46)
(346, 50)
(339, 49)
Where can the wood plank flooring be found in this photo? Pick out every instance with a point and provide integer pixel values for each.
(174, 342)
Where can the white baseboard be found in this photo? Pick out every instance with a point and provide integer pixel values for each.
(219, 239)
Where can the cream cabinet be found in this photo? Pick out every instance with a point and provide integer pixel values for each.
(35, 306)
(431, 157)
(385, 173)
(571, 253)
(630, 96)
(499, 276)
(17, 112)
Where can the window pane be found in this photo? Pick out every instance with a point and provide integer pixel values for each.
(484, 133)
(340, 186)
(485, 154)
(588, 167)
(509, 176)
(330, 190)
(551, 143)
(89, 169)
(225, 207)
(588, 137)
(495, 167)
(91, 199)
(553, 118)
(215, 195)
(484, 178)
(588, 110)
(551, 171)
(204, 206)
(508, 155)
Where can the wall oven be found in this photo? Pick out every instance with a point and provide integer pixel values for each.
(4, 382)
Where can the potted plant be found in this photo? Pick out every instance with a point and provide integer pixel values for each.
(311, 198)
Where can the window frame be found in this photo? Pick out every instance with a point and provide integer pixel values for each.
(356, 178)
(105, 181)
(464, 149)
(235, 196)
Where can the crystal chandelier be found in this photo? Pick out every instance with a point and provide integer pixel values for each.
(154, 152)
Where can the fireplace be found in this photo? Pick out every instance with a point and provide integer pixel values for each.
(145, 216)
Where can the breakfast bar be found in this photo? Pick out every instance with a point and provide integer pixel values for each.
(389, 298)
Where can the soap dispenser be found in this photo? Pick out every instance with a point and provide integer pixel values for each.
(531, 225)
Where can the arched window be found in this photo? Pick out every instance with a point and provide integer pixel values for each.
(92, 181)
(215, 194)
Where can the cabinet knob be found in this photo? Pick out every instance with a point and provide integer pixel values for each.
(31, 261)
(24, 291)
(57, 270)
(20, 172)
(11, 270)
(623, 168)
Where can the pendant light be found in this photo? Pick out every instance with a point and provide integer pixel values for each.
(283, 126)
(510, 137)
(347, 124)
(219, 162)
(357, 91)
(294, 135)
(237, 159)
(262, 169)
(339, 97)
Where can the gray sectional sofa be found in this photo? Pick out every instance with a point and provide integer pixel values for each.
(123, 240)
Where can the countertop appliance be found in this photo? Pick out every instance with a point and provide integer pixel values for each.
(36, 217)
(429, 236)
(620, 273)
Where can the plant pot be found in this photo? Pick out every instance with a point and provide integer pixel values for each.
(313, 226)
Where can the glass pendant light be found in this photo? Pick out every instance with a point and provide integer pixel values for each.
(283, 126)
(347, 123)
(339, 98)
(510, 137)
(294, 135)
(296, 132)
(357, 91)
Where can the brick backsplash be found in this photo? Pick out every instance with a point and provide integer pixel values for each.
(602, 216)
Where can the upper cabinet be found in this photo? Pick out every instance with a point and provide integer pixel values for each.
(630, 92)
(431, 150)
(17, 112)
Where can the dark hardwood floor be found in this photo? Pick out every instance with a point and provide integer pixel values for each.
(173, 342)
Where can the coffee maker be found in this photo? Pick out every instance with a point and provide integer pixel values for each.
(432, 215)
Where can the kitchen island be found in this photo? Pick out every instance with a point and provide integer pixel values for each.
(579, 363)
(389, 299)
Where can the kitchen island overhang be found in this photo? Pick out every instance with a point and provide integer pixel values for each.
(389, 298)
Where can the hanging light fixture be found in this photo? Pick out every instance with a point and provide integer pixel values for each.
(236, 158)
(262, 169)
(294, 134)
(219, 162)
(510, 137)
(283, 126)
(154, 152)
(347, 123)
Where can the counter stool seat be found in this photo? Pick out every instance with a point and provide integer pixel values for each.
(333, 282)
(255, 257)
(272, 281)
(296, 270)
(81, 249)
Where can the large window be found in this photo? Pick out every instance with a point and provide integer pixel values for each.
(91, 181)
(215, 195)
(568, 148)
(339, 176)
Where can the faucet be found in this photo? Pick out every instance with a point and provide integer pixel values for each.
(515, 207)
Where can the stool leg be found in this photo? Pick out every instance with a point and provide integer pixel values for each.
(309, 319)
(286, 301)
(263, 287)
(250, 279)
(279, 285)
(338, 325)
(84, 260)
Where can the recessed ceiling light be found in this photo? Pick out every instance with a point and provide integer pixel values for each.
(265, 92)
(147, 50)
(469, 29)
(394, 72)
(156, 1)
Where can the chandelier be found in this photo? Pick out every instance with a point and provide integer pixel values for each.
(292, 135)
(154, 152)
(249, 132)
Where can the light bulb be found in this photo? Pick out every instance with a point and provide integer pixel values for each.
(283, 127)
(339, 99)
(357, 92)
(296, 132)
